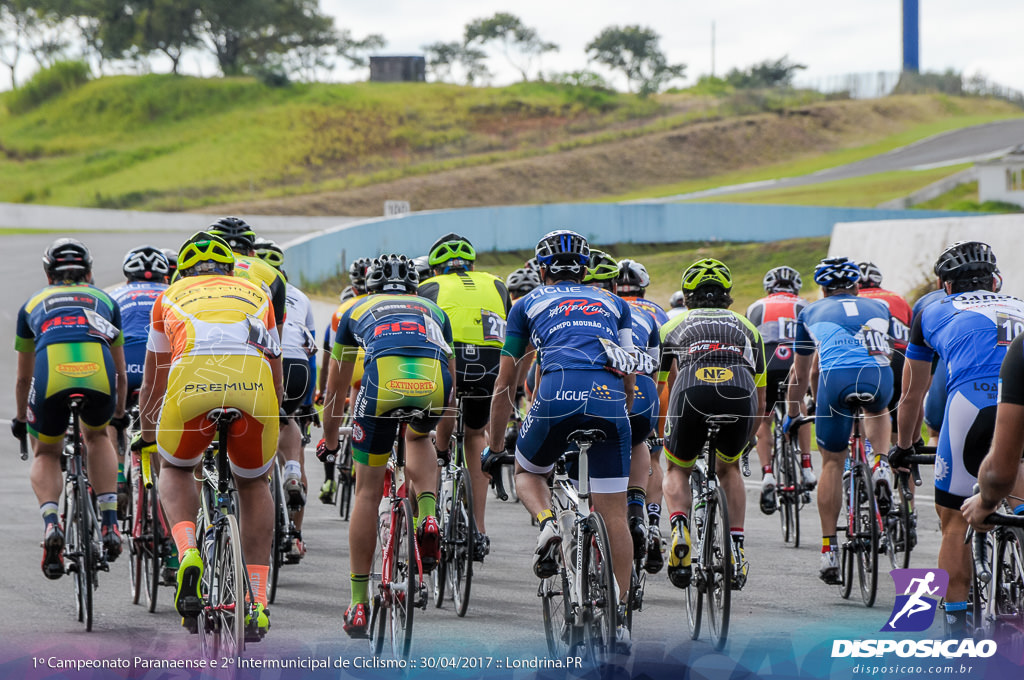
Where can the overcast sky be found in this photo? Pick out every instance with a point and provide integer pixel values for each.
(831, 38)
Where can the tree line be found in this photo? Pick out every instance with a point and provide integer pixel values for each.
(282, 40)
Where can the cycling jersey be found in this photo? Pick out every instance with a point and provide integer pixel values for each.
(647, 341)
(476, 302)
(935, 400)
(70, 329)
(1011, 374)
(298, 350)
(652, 308)
(216, 330)
(256, 270)
(136, 299)
(332, 330)
(899, 311)
(703, 339)
(775, 317)
(847, 331)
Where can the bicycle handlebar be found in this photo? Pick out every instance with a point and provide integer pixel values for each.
(494, 470)
(797, 423)
(1002, 520)
(23, 441)
(981, 557)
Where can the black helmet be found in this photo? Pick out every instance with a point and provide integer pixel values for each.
(633, 277)
(563, 251)
(172, 261)
(870, 275)
(357, 273)
(146, 263)
(522, 281)
(392, 274)
(67, 259)
(236, 232)
(964, 258)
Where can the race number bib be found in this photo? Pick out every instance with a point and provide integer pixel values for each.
(100, 327)
(435, 335)
(876, 342)
(494, 325)
(617, 360)
(787, 329)
(644, 362)
(1008, 328)
(261, 339)
(900, 332)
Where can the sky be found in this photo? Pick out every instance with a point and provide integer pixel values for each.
(830, 38)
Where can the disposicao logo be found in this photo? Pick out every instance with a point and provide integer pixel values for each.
(921, 590)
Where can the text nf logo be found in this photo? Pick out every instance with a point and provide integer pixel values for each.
(918, 592)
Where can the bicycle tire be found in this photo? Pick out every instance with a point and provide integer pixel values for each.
(231, 577)
(559, 630)
(979, 591)
(135, 533)
(597, 590)
(439, 577)
(904, 525)
(866, 536)
(718, 553)
(695, 594)
(277, 540)
(783, 492)
(151, 550)
(1008, 583)
(87, 549)
(72, 554)
(404, 580)
(463, 526)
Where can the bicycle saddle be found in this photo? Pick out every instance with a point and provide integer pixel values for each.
(223, 415)
(406, 414)
(722, 420)
(587, 436)
(859, 399)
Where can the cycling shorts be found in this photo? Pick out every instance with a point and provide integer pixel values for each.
(566, 401)
(476, 369)
(898, 359)
(297, 379)
(833, 421)
(969, 421)
(775, 388)
(694, 399)
(644, 416)
(195, 386)
(779, 357)
(935, 401)
(134, 362)
(391, 382)
(64, 369)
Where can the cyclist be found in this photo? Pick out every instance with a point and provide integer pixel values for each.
(477, 305)
(851, 336)
(69, 341)
(935, 401)
(631, 284)
(676, 304)
(775, 317)
(298, 365)
(409, 364)
(521, 281)
(209, 347)
(172, 262)
(584, 338)
(718, 359)
(242, 239)
(357, 286)
(970, 329)
(146, 271)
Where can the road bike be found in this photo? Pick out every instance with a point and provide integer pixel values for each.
(790, 492)
(285, 533)
(579, 601)
(901, 520)
(997, 581)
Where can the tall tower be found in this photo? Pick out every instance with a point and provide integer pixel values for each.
(911, 36)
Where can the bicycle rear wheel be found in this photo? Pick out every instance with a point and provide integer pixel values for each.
(86, 549)
(558, 624)
(439, 577)
(866, 536)
(462, 534)
(277, 542)
(404, 580)
(695, 593)
(718, 553)
(1008, 586)
(222, 624)
(136, 533)
(151, 549)
(597, 590)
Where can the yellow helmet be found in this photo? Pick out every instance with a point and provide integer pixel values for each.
(205, 247)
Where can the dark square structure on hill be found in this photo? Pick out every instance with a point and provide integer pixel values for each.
(398, 69)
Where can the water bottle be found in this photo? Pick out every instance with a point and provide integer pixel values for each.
(447, 492)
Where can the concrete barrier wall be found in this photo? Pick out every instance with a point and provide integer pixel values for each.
(906, 250)
(318, 256)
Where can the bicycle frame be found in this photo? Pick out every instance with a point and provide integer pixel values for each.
(857, 456)
(573, 509)
(989, 576)
(396, 492)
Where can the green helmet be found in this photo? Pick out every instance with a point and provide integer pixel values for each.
(450, 247)
(704, 272)
(601, 268)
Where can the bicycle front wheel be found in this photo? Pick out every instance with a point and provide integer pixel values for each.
(597, 591)
(866, 536)
(719, 569)
(136, 540)
(404, 580)
(461, 534)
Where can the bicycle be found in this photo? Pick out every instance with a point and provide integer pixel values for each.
(864, 526)
(901, 520)
(790, 492)
(343, 468)
(997, 583)
(400, 587)
(579, 601)
(225, 590)
(712, 563)
(457, 522)
(284, 530)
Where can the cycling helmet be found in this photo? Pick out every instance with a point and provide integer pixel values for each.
(269, 252)
(602, 268)
(452, 249)
(678, 299)
(633, 277)
(522, 281)
(563, 251)
(782, 278)
(963, 258)
(532, 265)
(235, 232)
(706, 272)
(392, 274)
(205, 253)
(146, 263)
(870, 275)
(357, 273)
(66, 259)
(348, 292)
(836, 272)
(998, 276)
(422, 266)
(172, 261)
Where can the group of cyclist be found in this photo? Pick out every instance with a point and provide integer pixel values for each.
(216, 324)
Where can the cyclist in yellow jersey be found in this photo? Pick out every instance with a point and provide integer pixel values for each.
(357, 279)
(242, 240)
(477, 304)
(209, 347)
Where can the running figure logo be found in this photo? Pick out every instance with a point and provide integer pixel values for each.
(918, 594)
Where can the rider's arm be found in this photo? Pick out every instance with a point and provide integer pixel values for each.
(121, 372)
(23, 383)
(446, 425)
(151, 395)
(917, 376)
(801, 378)
(502, 401)
(339, 375)
(278, 373)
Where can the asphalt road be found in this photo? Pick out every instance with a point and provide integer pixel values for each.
(783, 607)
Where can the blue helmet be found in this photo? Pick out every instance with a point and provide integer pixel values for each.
(563, 250)
(836, 272)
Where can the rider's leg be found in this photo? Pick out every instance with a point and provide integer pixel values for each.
(612, 507)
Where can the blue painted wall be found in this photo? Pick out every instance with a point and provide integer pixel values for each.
(325, 254)
(911, 36)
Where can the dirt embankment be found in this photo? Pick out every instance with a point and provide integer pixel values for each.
(691, 151)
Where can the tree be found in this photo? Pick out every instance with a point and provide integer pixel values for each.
(509, 31)
(768, 73)
(634, 50)
(357, 51)
(443, 56)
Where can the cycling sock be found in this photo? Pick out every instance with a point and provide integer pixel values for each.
(258, 575)
(108, 508)
(678, 518)
(737, 535)
(184, 534)
(50, 514)
(955, 606)
(328, 471)
(653, 514)
(360, 589)
(292, 467)
(766, 469)
(426, 504)
(636, 499)
(829, 543)
(805, 460)
(545, 516)
(1019, 510)
(120, 473)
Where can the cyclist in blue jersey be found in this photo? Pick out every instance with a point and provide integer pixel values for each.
(970, 329)
(584, 338)
(851, 336)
